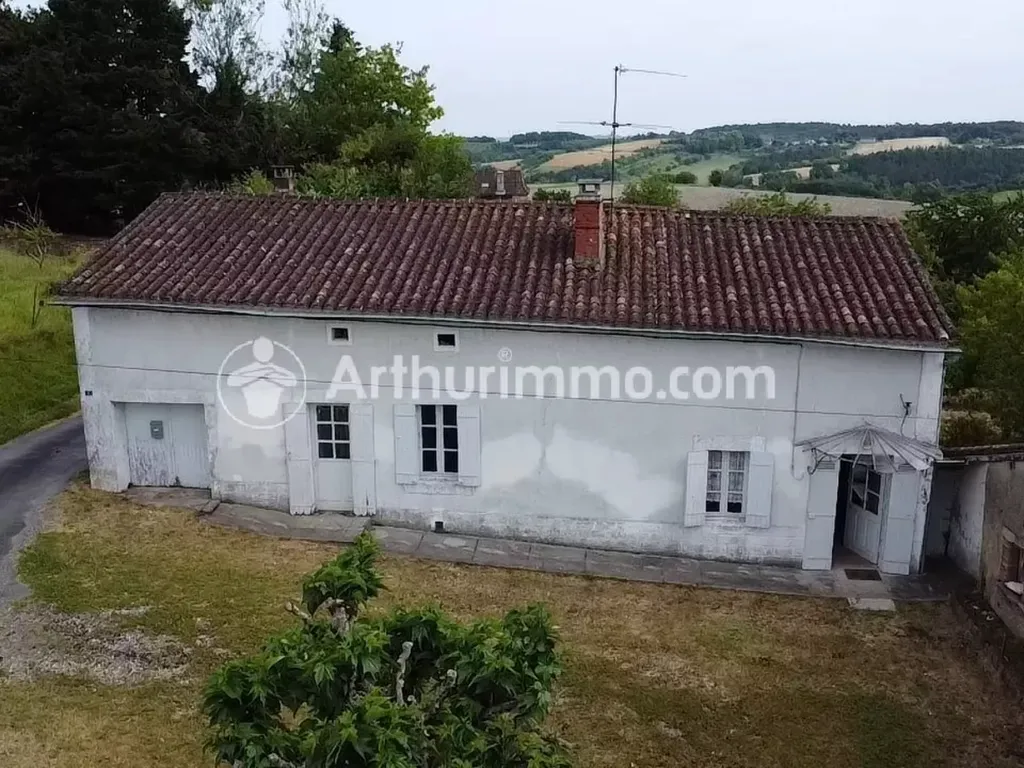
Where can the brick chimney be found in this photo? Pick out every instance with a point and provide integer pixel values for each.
(588, 225)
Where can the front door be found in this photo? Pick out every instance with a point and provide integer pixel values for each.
(864, 512)
(332, 457)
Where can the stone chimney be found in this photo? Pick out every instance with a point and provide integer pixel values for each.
(588, 225)
(283, 178)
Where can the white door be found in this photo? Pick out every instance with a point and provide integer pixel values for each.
(167, 445)
(332, 457)
(864, 512)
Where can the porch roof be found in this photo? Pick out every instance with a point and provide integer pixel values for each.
(873, 440)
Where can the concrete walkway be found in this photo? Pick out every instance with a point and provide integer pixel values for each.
(503, 553)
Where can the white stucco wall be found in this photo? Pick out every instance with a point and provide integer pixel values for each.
(607, 474)
(967, 518)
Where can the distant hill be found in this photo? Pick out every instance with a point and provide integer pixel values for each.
(998, 132)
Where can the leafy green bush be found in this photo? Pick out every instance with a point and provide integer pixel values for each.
(254, 183)
(776, 205)
(552, 196)
(684, 177)
(653, 190)
(410, 689)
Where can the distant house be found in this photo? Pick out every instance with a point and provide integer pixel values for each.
(496, 184)
(636, 378)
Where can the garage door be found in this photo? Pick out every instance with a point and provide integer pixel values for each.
(167, 445)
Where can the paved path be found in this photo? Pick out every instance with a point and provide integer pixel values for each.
(556, 559)
(33, 469)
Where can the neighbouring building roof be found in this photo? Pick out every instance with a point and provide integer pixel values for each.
(513, 184)
(670, 270)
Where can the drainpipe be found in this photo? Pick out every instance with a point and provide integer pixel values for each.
(796, 409)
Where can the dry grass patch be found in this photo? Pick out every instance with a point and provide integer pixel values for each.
(894, 145)
(655, 676)
(597, 155)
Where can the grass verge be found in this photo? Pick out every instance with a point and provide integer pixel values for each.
(38, 377)
(656, 675)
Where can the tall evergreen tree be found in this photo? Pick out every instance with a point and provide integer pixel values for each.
(103, 106)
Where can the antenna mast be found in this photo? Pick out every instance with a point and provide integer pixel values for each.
(619, 69)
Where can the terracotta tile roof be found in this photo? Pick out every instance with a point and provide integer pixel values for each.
(515, 183)
(670, 270)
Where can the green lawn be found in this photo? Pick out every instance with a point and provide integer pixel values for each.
(656, 676)
(716, 163)
(38, 379)
(1008, 194)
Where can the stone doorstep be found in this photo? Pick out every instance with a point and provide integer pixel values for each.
(875, 604)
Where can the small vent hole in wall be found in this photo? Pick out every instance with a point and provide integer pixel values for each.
(339, 333)
(446, 341)
(438, 526)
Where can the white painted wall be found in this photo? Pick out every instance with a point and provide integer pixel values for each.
(607, 474)
(967, 518)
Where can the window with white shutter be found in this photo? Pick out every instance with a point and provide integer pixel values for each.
(437, 446)
(729, 478)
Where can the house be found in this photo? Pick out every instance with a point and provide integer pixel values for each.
(500, 184)
(976, 519)
(633, 378)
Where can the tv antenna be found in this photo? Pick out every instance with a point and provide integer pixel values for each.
(615, 124)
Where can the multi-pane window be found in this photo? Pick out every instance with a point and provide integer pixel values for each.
(439, 438)
(866, 488)
(332, 432)
(727, 482)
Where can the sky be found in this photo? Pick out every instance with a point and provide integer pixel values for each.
(504, 68)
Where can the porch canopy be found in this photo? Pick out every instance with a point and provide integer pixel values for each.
(876, 442)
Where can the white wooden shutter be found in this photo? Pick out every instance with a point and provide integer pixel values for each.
(364, 474)
(696, 488)
(299, 459)
(760, 483)
(469, 444)
(407, 444)
(900, 500)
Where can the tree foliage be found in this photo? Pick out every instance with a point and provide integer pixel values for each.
(992, 319)
(777, 205)
(406, 689)
(652, 190)
(100, 111)
(94, 117)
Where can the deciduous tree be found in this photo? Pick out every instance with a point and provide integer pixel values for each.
(404, 689)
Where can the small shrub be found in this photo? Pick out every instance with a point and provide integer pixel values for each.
(409, 689)
(776, 205)
(653, 190)
(967, 428)
(552, 196)
(255, 183)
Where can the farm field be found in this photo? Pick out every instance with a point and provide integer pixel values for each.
(597, 154)
(656, 676)
(38, 375)
(704, 168)
(1008, 194)
(504, 165)
(892, 145)
(713, 198)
